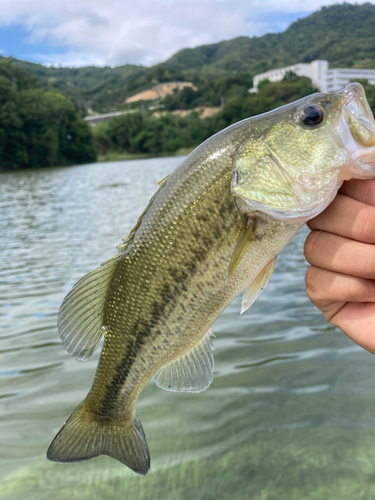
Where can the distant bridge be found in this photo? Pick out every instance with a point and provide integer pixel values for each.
(94, 119)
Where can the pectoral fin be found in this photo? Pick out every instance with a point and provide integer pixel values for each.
(243, 246)
(258, 285)
(193, 372)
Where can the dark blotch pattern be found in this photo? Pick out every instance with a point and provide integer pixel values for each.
(205, 231)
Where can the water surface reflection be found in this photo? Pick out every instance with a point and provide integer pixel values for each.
(290, 413)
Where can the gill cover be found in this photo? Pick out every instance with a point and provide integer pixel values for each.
(290, 171)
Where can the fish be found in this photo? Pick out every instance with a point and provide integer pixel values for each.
(213, 229)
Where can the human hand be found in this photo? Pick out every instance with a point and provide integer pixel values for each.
(341, 250)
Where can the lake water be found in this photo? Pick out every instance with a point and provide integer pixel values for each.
(290, 413)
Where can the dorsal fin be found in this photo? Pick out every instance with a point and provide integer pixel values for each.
(193, 372)
(80, 320)
(128, 240)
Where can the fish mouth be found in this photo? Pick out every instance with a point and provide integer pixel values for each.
(359, 114)
(356, 127)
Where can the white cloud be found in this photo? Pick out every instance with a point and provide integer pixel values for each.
(115, 32)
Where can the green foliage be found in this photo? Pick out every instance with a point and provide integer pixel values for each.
(186, 98)
(263, 83)
(208, 93)
(124, 129)
(289, 75)
(224, 85)
(271, 95)
(38, 128)
(141, 133)
(144, 134)
(102, 89)
(370, 93)
(342, 33)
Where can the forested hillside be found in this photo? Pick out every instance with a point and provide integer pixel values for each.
(344, 34)
(142, 133)
(39, 128)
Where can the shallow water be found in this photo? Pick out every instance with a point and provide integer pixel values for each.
(289, 415)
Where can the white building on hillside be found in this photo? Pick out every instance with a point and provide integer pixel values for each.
(326, 80)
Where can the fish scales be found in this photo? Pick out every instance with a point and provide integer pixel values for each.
(175, 275)
(200, 246)
(213, 229)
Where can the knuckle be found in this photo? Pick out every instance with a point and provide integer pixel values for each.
(313, 280)
(351, 289)
(313, 245)
(367, 264)
(366, 225)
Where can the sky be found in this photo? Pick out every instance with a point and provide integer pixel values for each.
(113, 32)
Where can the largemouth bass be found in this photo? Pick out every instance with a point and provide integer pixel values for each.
(213, 230)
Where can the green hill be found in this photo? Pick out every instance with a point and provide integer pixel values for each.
(39, 128)
(344, 34)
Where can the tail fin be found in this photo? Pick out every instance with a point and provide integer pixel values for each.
(83, 437)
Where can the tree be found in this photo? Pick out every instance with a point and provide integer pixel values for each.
(39, 128)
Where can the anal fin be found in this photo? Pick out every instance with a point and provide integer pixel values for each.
(257, 286)
(193, 372)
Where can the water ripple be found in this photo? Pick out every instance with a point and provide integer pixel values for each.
(289, 392)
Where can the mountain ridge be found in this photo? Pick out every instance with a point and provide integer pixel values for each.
(327, 25)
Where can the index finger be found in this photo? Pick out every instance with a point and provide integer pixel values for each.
(360, 190)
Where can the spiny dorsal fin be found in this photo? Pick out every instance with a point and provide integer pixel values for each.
(193, 372)
(243, 246)
(257, 286)
(80, 318)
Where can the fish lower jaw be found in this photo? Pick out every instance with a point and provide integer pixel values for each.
(360, 160)
(366, 162)
(360, 166)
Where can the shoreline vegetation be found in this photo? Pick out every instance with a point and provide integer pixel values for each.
(185, 100)
(114, 156)
(39, 128)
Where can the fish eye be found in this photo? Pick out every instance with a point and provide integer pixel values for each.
(312, 115)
